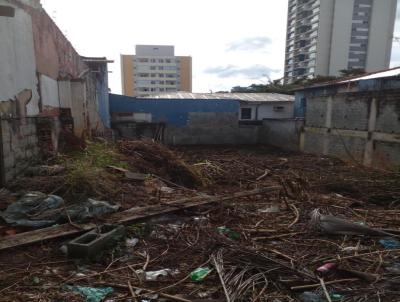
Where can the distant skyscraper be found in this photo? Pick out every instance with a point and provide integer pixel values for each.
(326, 36)
(155, 69)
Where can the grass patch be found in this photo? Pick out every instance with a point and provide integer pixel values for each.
(87, 175)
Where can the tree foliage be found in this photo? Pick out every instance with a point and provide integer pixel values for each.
(277, 86)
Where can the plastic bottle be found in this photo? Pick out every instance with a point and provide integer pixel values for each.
(326, 268)
(199, 274)
(229, 233)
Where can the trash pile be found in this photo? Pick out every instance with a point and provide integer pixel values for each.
(268, 226)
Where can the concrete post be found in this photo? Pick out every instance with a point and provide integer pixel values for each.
(369, 146)
(328, 125)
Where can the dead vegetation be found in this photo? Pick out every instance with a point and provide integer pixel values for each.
(153, 158)
(266, 253)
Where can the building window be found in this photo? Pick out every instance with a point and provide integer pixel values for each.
(245, 113)
(279, 108)
(142, 60)
(160, 61)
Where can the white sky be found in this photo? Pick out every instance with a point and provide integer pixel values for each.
(232, 42)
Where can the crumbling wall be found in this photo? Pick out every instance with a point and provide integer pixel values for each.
(19, 146)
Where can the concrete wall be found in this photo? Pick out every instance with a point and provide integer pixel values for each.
(127, 78)
(381, 34)
(186, 74)
(281, 133)
(79, 107)
(361, 126)
(341, 36)
(324, 37)
(19, 146)
(49, 95)
(17, 58)
(65, 94)
(212, 128)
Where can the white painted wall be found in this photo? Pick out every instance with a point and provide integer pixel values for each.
(268, 110)
(65, 94)
(17, 58)
(49, 92)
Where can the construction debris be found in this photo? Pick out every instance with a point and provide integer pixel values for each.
(264, 252)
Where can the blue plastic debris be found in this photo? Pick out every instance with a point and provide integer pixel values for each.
(390, 243)
(91, 294)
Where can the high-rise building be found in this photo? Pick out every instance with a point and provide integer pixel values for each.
(326, 36)
(155, 69)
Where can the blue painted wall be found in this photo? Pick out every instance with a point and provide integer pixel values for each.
(171, 111)
(300, 103)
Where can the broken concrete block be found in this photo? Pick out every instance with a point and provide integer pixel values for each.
(94, 242)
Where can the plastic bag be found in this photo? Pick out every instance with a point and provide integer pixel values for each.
(38, 210)
(91, 294)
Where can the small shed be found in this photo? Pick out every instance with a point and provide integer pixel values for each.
(200, 118)
(252, 106)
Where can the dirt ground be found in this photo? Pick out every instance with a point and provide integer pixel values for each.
(266, 252)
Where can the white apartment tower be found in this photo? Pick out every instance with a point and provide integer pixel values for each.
(326, 36)
(155, 69)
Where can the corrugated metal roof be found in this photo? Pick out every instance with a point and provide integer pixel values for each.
(245, 97)
(387, 73)
(376, 75)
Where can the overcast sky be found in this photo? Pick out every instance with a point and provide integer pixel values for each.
(232, 42)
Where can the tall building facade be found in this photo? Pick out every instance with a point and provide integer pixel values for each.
(155, 69)
(326, 36)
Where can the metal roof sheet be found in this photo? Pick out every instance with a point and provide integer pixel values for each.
(377, 75)
(244, 97)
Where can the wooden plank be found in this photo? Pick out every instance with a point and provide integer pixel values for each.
(124, 217)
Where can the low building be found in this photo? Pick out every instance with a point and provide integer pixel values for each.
(356, 119)
(199, 118)
(44, 82)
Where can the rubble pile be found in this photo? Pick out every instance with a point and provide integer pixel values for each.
(309, 229)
